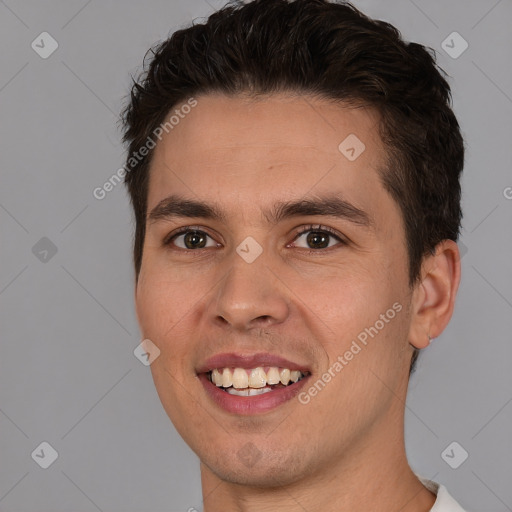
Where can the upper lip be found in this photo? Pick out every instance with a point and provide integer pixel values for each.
(248, 361)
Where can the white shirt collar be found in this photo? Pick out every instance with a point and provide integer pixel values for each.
(444, 502)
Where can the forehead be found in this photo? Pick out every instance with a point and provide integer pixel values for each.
(273, 121)
(278, 147)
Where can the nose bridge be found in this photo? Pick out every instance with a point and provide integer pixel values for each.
(250, 294)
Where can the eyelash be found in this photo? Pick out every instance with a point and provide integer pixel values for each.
(322, 229)
(311, 227)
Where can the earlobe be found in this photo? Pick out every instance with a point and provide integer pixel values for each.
(434, 296)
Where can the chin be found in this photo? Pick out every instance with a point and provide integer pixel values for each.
(269, 469)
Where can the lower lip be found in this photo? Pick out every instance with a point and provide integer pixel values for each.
(248, 405)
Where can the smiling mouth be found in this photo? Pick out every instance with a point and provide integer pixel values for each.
(255, 381)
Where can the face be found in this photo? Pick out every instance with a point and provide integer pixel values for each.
(278, 251)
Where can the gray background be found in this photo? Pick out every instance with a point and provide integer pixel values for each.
(68, 375)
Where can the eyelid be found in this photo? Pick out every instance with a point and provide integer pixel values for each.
(300, 231)
(319, 227)
(185, 229)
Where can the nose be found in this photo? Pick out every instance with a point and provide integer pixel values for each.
(249, 297)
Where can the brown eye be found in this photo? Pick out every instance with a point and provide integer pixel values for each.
(192, 239)
(316, 238)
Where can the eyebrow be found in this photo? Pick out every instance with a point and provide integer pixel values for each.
(176, 206)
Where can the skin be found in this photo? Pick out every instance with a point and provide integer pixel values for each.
(344, 450)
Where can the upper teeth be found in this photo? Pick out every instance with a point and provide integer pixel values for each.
(241, 378)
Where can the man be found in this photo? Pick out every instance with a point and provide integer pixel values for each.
(294, 171)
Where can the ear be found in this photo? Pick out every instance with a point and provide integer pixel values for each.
(434, 295)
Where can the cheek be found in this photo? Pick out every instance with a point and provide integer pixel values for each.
(165, 311)
(163, 297)
(346, 298)
(165, 306)
(360, 313)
